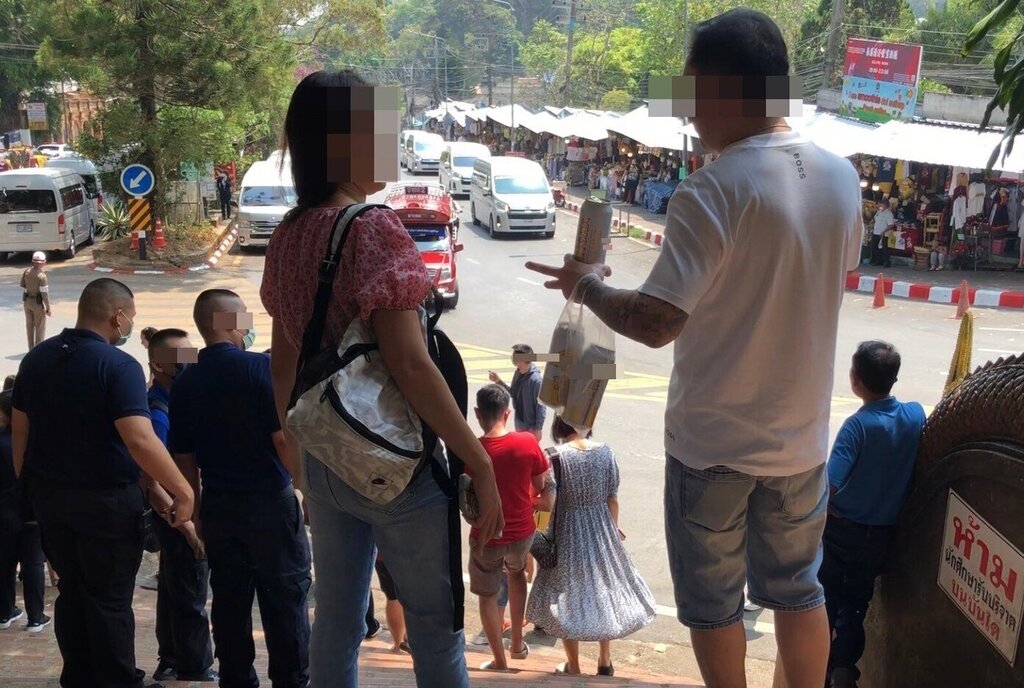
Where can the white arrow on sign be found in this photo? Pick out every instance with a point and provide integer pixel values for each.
(134, 183)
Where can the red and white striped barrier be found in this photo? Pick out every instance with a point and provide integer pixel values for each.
(990, 298)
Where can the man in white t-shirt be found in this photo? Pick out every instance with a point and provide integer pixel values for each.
(748, 286)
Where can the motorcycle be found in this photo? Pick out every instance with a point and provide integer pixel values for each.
(558, 193)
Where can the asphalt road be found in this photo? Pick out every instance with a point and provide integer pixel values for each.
(502, 303)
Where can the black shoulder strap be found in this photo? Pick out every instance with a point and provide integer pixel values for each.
(313, 337)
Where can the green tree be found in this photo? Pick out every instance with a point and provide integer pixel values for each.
(1005, 28)
(21, 76)
(616, 100)
(193, 81)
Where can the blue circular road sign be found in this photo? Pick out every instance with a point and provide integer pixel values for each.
(137, 180)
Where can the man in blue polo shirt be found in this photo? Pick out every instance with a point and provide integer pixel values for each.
(184, 649)
(869, 474)
(82, 432)
(225, 429)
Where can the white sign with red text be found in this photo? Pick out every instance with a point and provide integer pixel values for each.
(979, 570)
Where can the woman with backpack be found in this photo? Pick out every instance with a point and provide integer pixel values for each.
(382, 282)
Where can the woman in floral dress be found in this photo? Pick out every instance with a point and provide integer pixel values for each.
(593, 593)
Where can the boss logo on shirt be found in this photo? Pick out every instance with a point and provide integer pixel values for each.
(799, 165)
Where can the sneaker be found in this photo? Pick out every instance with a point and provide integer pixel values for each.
(208, 676)
(480, 640)
(38, 626)
(749, 606)
(9, 621)
(373, 630)
(165, 672)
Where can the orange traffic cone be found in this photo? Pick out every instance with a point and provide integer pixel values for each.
(135, 240)
(158, 240)
(964, 303)
(879, 292)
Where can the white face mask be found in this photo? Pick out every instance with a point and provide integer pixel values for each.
(124, 336)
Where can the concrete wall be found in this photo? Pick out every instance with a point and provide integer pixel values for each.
(944, 106)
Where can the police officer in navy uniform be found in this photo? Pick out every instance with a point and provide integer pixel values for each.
(82, 432)
(184, 648)
(225, 427)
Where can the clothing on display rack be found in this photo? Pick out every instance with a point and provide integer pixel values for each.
(975, 199)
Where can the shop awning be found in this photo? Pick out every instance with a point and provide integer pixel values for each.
(838, 135)
(584, 126)
(478, 115)
(653, 132)
(938, 144)
(504, 115)
(542, 123)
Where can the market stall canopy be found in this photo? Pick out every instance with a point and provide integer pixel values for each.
(504, 115)
(838, 135)
(653, 132)
(479, 115)
(543, 123)
(938, 144)
(585, 126)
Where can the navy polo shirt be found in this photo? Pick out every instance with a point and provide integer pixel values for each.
(161, 420)
(872, 461)
(223, 411)
(73, 387)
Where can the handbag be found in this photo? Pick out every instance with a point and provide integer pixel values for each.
(346, 409)
(544, 548)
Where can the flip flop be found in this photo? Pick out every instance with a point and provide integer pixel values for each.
(489, 666)
(563, 670)
(520, 655)
(606, 670)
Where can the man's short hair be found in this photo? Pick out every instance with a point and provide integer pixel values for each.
(740, 42)
(492, 401)
(101, 298)
(877, 365)
(522, 349)
(161, 337)
(207, 304)
(9, 382)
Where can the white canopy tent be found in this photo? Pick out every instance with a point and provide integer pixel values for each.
(938, 144)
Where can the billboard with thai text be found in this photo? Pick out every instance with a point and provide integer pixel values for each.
(880, 80)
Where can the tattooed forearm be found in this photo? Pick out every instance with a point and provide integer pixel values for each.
(546, 497)
(640, 317)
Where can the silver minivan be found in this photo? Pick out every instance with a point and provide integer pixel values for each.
(44, 209)
(86, 169)
(512, 195)
(423, 152)
(457, 160)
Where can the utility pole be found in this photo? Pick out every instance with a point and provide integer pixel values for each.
(838, 11)
(490, 76)
(568, 52)
(437, 72)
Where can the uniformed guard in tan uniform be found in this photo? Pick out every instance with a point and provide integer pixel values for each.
(36, 299)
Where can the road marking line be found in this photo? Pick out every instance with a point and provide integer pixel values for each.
(1001, 329)
(536, 284)
(473, 261)
(999, 351)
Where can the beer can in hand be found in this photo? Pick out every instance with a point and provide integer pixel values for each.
(593, 232)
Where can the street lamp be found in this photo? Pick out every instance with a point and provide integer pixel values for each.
(511, 68)
(437, 62)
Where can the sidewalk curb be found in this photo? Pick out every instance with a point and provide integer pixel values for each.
(227, 240)
(654, 238)
(989, 298)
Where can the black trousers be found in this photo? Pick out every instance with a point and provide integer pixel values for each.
(854, 556)
(93, 539)
(257, 547)
(880, 255)
(225, 207)
(182, 627)
(23, 547)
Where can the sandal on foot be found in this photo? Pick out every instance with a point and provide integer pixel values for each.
(489, 666)
(520, 655)
(606, 670)
(563, 669)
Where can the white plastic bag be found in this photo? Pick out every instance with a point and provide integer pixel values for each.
(575, 384)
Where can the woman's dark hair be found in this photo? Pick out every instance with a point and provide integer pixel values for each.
(319, 106)
(6, 406)
(9, 382)
(562, 431)
(148, 332)
(740, 42)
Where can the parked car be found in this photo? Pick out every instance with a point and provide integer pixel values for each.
(44, 209)
(431, 216)
(456, 166)
(513, 196)
(266, 194)
(55, 150)
(423, 152)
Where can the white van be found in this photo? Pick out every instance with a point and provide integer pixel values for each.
(456, 167)
(512, 195)
(86, 169)
(44, 209)
(423, 152)
(266, 194)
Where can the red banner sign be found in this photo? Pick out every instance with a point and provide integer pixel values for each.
(895, 63)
